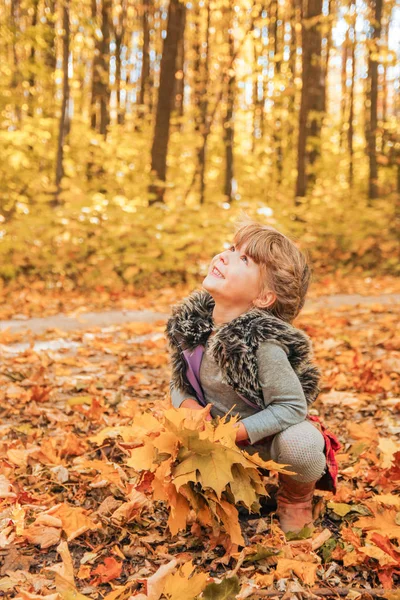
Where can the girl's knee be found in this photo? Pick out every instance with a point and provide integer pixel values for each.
(302, 447)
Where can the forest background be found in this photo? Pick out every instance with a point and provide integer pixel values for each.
(132, 133)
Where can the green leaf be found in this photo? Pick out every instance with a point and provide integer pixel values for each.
(303, 534)
(262, 552)
(327, 549)
(226, 590)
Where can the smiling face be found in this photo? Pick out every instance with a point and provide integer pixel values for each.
(234, 278)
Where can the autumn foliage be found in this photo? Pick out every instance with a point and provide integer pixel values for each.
(106, 490)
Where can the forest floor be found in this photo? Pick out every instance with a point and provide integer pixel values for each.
(77, 520)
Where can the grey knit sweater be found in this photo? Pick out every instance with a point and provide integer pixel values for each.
(283, 395)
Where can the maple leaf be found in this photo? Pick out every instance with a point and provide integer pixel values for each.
(306, 571)
(227, 589)
(378, 554)
(383, 523)
(74, 520)
(109, 570)
(184, 584)
(388, 499)
(42, 536)
(229, 516)
(108, 472)
(388, 449)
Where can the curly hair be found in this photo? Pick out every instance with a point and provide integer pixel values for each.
(284, 268)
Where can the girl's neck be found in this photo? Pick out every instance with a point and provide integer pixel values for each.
(222, 316)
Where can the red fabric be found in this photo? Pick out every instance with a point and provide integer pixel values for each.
(328, 481)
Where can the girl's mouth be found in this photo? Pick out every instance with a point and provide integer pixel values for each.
(217, 273)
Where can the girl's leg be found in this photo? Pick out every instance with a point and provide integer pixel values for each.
(302, 448)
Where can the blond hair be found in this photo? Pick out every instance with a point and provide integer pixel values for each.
(284, 268)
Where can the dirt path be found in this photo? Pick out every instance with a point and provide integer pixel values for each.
(118, 317)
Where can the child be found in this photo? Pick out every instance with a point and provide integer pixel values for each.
(232, 345)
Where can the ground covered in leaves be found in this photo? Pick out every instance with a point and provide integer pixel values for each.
(90, 504)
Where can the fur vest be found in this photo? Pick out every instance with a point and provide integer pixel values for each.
(234, 346)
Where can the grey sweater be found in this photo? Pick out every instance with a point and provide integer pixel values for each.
(283, 395)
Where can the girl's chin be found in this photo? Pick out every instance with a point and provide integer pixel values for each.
(211, 280)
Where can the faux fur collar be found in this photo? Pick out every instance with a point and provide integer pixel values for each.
(235, 344)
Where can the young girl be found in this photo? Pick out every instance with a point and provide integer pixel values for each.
(232, 345)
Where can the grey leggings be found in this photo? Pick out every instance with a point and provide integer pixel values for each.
(301, 446)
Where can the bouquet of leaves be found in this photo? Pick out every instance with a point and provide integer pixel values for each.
(195, 465)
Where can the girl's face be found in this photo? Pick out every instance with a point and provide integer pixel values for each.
(239, 278)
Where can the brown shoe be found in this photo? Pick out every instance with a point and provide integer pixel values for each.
(294, 500)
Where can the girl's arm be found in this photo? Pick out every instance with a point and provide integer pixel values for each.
(284, 397)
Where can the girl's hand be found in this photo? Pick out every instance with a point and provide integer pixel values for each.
(193, 405)
(241, 434)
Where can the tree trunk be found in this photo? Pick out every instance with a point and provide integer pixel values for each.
(326, 61)
(100, 84)
(373, 100)
(32, 63)
(179, 71)
(62, 131)
(16, 76)
(343, 81)
(205, 73)
(350, 133)
(228, 122)
(119, 37)
(278, 99)
(165, 100)
(144, 95)
(311, 97)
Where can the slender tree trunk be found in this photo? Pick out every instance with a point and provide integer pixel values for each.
(311, 97)
(100, 84)
(65, 98)
(105, 66)
(119, 37)
(373, 100)
(343, 78)
(278, 100)
(165, 100)
(205, 74)
(32, 63)
(180, 73)
(144, 94)
(228, 122)
(326, 61)
(197, 67)
(350, 131)
(16, 76)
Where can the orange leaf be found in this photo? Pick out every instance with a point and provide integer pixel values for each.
(111, 569)
(74, 520)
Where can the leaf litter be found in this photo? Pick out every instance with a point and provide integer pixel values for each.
(107, 492)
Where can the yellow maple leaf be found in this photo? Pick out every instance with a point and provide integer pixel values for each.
(305, 571)
(142, 458)
(381, 556)
(389, 499)
(183, 584)
(384, 523)
(229, 517)
(388, 449)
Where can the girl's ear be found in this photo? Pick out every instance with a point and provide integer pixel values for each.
(265, 300)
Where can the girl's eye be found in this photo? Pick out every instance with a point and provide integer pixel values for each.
(243, 256)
